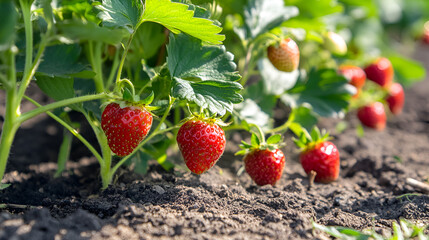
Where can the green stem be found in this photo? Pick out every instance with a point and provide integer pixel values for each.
(154, 133)
(233, 127)
(124, 55)
(95, 61)
(71, 130)
(30, 67)
(261, 133)
(283, 127)
(30, 114)
(106, 159)
(10, 125)
(113, 70)
(5, 82)
(26, 14)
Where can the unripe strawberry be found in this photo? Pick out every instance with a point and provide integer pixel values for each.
(335, 43)
(323, 158)
(396, 98)
(381, 72)
(373, 116)
(125, 127)
(285, 56)
(201, 143)
(265, 166)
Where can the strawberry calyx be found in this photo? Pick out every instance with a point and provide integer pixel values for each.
(126, 97)
(308, 141)
(370, 93)
(273, 142)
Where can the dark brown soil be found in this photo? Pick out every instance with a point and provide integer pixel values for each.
(218, 204)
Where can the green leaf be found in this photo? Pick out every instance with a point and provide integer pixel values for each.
(8, 18)
(274, 139)
(260, 16)
(407, 71)
(147, 41)
(89, 31)
(4, 185)
(121, 13)
(62, 61)
(204, 75)
(178, 18)
(216, 96)
(254, 140)
(250, 112)
(58, 88)
(316, 8)
(304, 117)
(275, 81)
(326, 93)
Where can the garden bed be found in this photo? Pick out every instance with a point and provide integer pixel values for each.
(370, 193)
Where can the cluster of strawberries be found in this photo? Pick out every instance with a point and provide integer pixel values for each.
(372, 114)
(202, 142)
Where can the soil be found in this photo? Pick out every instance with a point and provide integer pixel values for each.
(370, 193)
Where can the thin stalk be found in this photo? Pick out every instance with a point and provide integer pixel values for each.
(233, 127)
(31, 66)
(94, 59)
(71, 130)
(26, 14)
(30, 114)
(124, 55)
(10, 126)
(284, 126)
(5, 82)
(154, 133)
(261, 133)
(113, 70)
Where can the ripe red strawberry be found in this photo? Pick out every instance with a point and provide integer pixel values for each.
(373, 116)
(125, 127)
(395, 99)
(201, 143)
(265, 166)
(425, 37)
(354, 74)
(285, 56)
(335, 43)
(319, 155)
(380, 72)
(323, 158)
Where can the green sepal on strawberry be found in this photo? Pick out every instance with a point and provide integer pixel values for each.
(263, 161)
(320, 155)
(201, 142)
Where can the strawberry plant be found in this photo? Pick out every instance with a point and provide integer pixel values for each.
(196, 71)
(135, 69)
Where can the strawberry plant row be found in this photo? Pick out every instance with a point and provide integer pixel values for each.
(147, 75)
